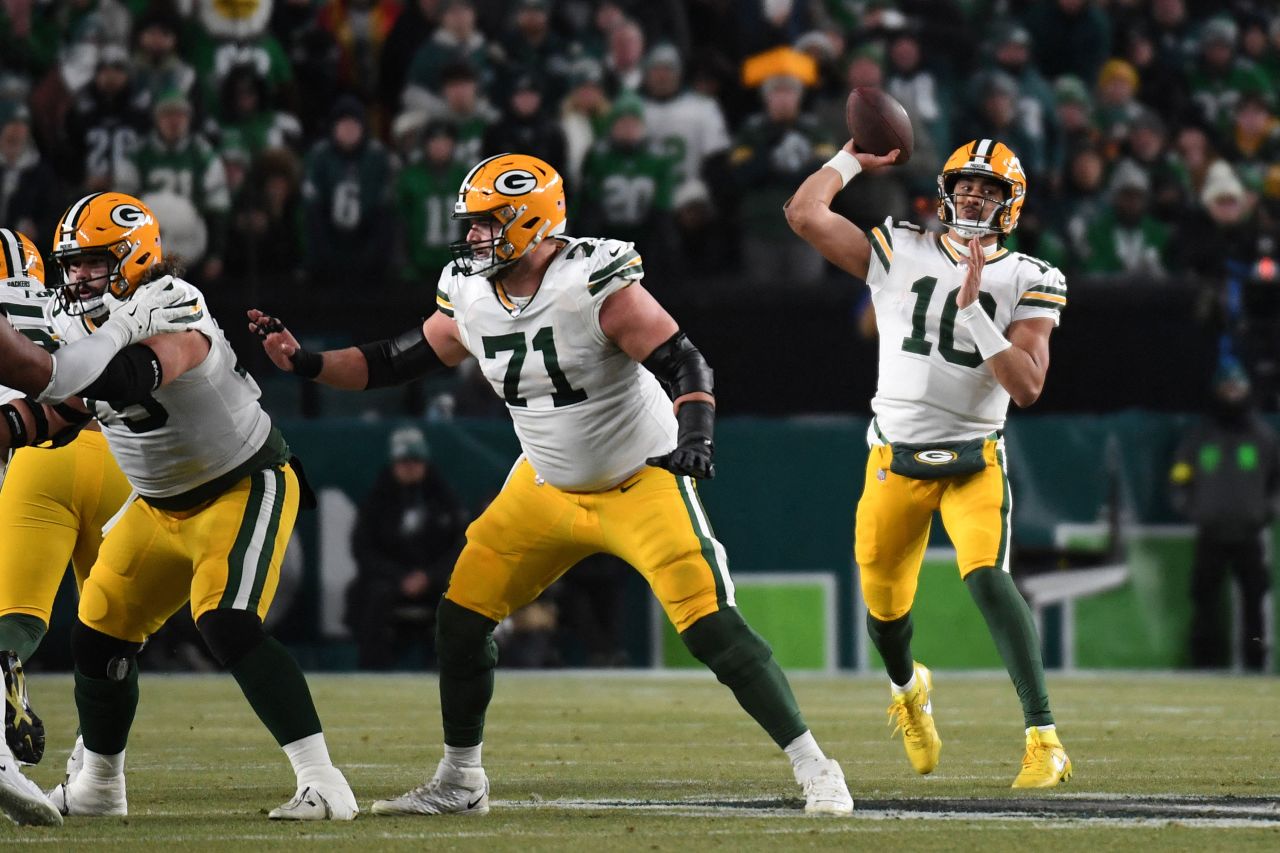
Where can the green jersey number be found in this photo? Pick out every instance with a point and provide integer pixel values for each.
(920, 345)
(545, 343)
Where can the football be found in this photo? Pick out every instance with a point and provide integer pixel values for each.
(878, 123)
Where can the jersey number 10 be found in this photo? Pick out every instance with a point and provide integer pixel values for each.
(920, 345)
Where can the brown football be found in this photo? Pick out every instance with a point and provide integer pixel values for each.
(878, 123)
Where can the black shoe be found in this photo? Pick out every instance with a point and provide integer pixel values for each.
(23, 730)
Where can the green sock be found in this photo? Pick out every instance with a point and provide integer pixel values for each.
(468, 655)
(277, 691)
(892, 640)
(106, 709)
(1009, 621)
(743, 662)
(21, 634)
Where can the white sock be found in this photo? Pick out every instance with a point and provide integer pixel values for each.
(103, 767)
(803, 750)
(462, 757)
(308, 755)
(1047, 728)
(906, 688)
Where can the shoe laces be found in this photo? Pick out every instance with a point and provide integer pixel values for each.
(908, 716)
(1037, 754)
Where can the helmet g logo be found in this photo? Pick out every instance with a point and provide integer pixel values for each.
(936, 457)
(128, 215)
(515, 182)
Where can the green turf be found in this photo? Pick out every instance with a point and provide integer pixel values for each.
(203, 772)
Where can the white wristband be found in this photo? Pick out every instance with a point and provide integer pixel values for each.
(989, 340)
(846, 165)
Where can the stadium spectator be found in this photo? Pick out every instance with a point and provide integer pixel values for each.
(456, 40)
(624, 63)
(1117, 102)
(157, 66)
(425, 194)
(995, 97)
(585, 114)
(360, 28)
(1070, 36)
(1126, 239)
(628, 188)
(1148, 147)
(1195, 154)
(525, 126)
(772, 154)
(590, 611)
(1075, 122)
(925, 96)
(346, 198)
(1253, 146)
(691, 126)
(265, 222)
(71, 36)
(232, 35)
(105, 123)
(246, 120)
(1226, 480)
(1225, 228)
(465, 107)
(173, 159)
(29, 200)
(1082, 201)
(314, 56)
(1220, 75)
(531, 46)
(1010, 48)
(1260, 44)
(1162, 80)
(408, 533)
(412, 28)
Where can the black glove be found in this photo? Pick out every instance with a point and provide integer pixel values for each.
(694, 447)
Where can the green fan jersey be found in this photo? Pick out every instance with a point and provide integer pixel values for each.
(425, 195)
(626, 187)
(191, 169)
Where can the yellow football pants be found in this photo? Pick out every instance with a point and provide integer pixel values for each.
(895, 514)
(225, 553)
(532, 534)
(52, 507)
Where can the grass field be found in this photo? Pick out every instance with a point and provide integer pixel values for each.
(592, 761)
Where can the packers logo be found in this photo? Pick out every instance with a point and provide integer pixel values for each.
(515, 182)
(128, 215)
(936, 457)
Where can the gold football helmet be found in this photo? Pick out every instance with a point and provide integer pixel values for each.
(524, 198)
(19, 258)
(985, 158)
(113, 224)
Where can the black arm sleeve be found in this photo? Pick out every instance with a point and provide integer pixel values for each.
(680, 367)
(133, 374)
(401, 359)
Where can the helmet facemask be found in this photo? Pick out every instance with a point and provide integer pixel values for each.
(70, 298)
(489, 257)
(992, 213)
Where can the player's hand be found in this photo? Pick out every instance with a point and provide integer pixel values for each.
(279, 342)
(693, 457)
(164, 306)
(871, 161)
(973, 276)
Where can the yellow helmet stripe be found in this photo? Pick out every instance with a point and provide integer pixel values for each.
(12, 248)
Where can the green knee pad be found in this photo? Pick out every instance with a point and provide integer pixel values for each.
(464, 640)
(728, 646)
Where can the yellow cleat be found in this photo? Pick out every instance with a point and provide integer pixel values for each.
(913, 713)
(1045, 763)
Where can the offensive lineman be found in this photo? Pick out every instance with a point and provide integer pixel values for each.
(964, 326)
(217, 499)
(567, 335)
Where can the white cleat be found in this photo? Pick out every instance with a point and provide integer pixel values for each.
(84, 796)
(326, 797)
(450, 791)
(825, 791)
(22, 800)
(75, 761)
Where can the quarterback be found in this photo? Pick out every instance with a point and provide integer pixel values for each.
(580, 352)
(964, 327)
(216, 497)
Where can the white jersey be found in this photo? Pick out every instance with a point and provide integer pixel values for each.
(28, 309)
(586, 413)
(933, 384)
(690, 127)
(198, 427)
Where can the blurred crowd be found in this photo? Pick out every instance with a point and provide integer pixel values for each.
(322, 141)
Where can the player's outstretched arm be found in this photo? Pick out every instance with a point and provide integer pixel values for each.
(26, 421)
(24, 366)
(809, 211)
(415, 353)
